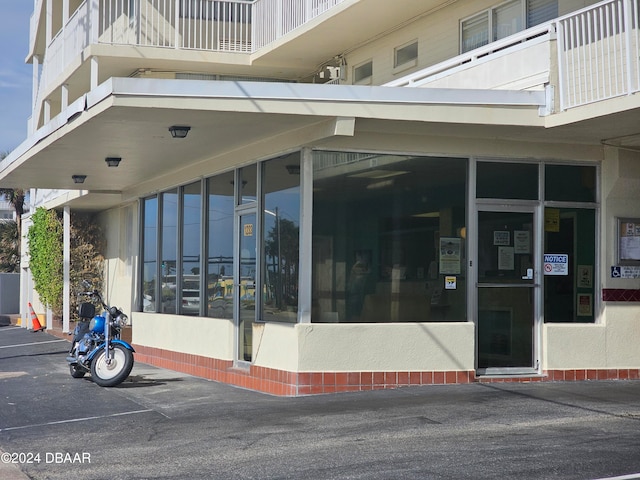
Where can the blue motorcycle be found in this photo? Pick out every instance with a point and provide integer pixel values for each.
(97, 347)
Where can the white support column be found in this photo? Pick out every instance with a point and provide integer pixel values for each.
(305, 261)
(94, 72)
(66, 268)
(47, 110)
(35, 79)
(48, 22)
(64, 97)
(65, 13)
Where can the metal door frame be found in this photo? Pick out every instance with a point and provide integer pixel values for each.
(519, 206)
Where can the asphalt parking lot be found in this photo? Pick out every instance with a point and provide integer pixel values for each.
(160, 424)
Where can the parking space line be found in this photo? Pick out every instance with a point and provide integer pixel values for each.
(32, 343)
(623, 477)
(74, 420)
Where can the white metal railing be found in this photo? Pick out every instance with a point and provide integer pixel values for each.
(598, 52)
(275, 18)
(67, 45)
(540, 33)
(213, 25)
(598, 47)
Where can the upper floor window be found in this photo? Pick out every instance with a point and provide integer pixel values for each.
(503, 20)
(406, 54)
(363, 72)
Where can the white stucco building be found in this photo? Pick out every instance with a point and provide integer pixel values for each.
(370, 194)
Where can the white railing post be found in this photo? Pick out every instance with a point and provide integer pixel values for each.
(176, 27)
(627, 7)
(279, 19)
(560, 46)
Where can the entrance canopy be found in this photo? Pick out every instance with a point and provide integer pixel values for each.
(129, 118)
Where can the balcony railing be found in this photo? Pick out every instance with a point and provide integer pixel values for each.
(598, 53)
(211, 25)
(214, 25)
(598, 47)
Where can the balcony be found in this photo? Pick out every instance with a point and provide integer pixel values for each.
(597, 52)
(589, 55)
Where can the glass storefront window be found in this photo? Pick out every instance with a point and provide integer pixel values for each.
(570, 297)
(219, 236)
(387, 231)
(281, 227)
(191, 214)
(516, 181)
(169, 250)
(249, 181)
(149, 254)
(569, 183)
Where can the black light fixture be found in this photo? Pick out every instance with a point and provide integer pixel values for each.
(78, 178)
(113, 161)
(179, 131)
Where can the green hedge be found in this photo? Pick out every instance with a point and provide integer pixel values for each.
(45, 240)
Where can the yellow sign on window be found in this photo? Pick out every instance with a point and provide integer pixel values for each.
(248, 230)
(551, 220)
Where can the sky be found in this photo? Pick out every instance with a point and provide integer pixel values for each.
(15, 74)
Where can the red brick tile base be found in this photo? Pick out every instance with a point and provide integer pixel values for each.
(282, 383)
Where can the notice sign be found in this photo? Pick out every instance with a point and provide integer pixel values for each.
(556, 264)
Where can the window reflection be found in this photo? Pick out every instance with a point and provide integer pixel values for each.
(191, 213)
(150, 261)
(281, 221)
(219, 285)
(169, 250)
(379, 225)
(249, 181)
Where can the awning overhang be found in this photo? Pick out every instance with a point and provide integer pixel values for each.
(129, 118)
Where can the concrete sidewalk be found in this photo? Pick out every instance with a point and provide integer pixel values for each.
(8, 470)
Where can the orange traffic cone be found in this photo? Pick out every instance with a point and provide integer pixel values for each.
(34, 320)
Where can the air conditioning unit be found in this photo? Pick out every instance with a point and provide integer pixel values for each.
(331, 73)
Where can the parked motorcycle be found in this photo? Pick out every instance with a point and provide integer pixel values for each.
(97, 347)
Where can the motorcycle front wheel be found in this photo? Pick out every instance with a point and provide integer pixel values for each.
(115, 372)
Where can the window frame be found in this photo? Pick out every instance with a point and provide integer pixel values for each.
(411, 62)
(366, 80)
(490, 14)
(255, 202)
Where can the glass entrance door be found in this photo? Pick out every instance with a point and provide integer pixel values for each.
(507, 291)
(245, 281)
